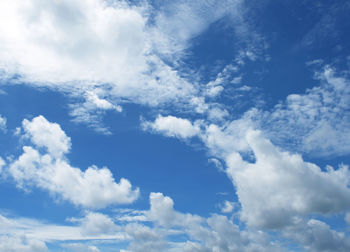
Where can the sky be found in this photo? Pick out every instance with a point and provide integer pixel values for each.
(180, 126)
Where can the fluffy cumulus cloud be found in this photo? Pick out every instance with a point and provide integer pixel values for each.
(279, 188)
(317, 236)
(45, 165)
(97, 223)
(220, 139)
(44, 134)
(87, 49)
(216, 233)
(173, 127)
(72, 40)
(163, 229)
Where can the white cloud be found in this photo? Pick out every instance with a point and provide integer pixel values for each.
(222, 140)
(31, 229)
(215, 113)
(72, 40)
(92, 109)
(83, 45)
(226, 76)
(80, 247)
(347, 218)
(43, 133)
(228, 207)
(2, 123)
(279, 187)
(173, 127)
(86, 50)
(97, 224)
(316, 122)
(21, 244)
(2, 164)
(182, 20)
(145, 238)
(317, 236)
(94, 188)
(216, 233)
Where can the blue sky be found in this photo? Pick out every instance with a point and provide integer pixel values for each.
(174, 125)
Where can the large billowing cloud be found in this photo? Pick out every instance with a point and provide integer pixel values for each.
(107, 49)
(279, 188)
(45, 165)
(107, 53)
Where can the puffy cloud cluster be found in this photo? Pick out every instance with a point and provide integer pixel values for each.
(216, 233)
(280, 187)
(317, 236)
(165, 229)
(277, 190)
(315, 122)
(45, 165)
(86, 49)
(97, 224)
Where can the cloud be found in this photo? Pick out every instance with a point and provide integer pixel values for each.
(2, 123)
(81, 46)
(167, 229)
(79, 247)
(72, 41)
(97, 223)
(172, 126)
(90, 227)
(92, 109)
(279, 187)
(145, 238)
(49, 169)
(2, 164)
(222, 140)
(316, 122)
(86, 50)
(317, 236)
(170, 230)
(21, 244)
(228, 207)
(180, 21)
(44, 134)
